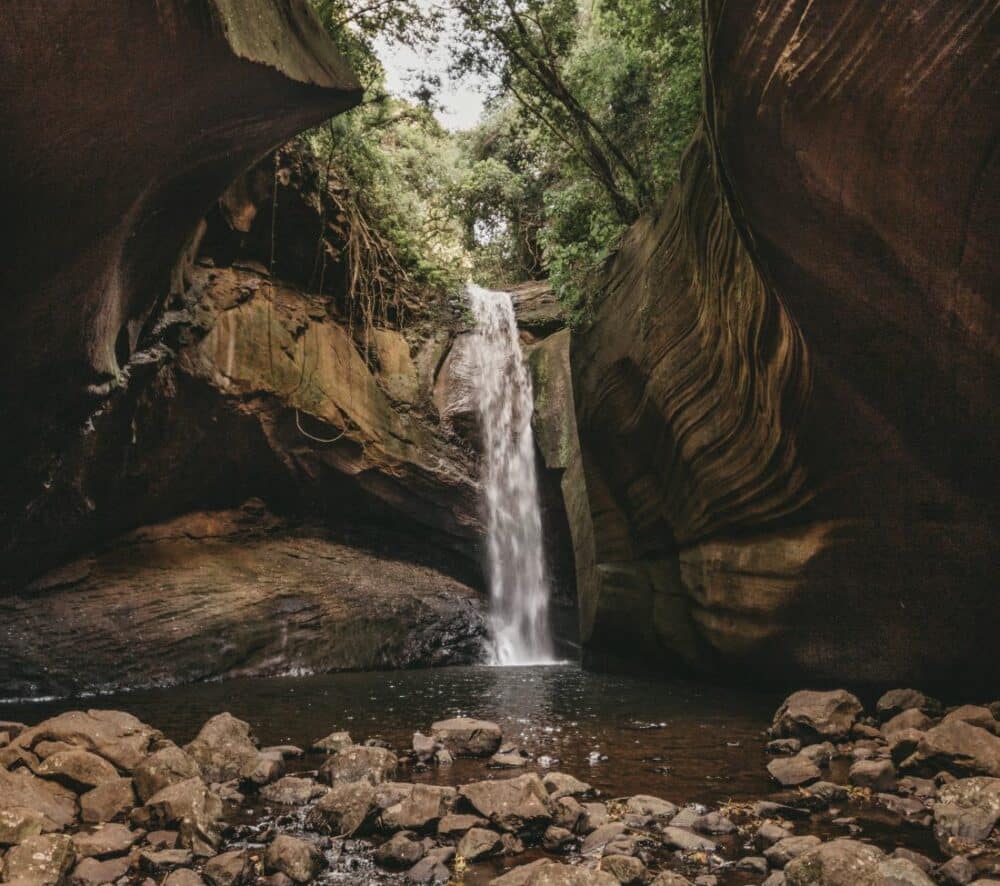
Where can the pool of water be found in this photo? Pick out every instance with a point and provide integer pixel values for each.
(681, 740)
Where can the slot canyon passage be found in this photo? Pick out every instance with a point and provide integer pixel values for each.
(530, 442)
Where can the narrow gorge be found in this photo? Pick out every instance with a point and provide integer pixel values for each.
(531, 442)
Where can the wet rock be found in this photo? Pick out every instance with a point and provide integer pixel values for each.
(92, 872)
(512, 804)
(443, 757)
(346, 809)
(158, 862)
(297, 859)
(560, 785)
(478, 843)
(921, 788)
(784, 746)
(569, 814)
(782, 852)
(815, 716)
(957, 871)
(670, 878)
(601, 836)
(793, 771)
(357, 763)
(17, 823)
(974, 715)
(225, 749)
(820, 754)
(898, 871)
(466, 737)
(119, 738)
(555, 874)
(23, 790)
(686, 817)
(921, 861)
(959, 748)
(714, 823)
(424, 746)
(644, 804)
(292, 791)
(557, 839)
(913, 718)
(863, 730)
(78, 769)
(895, 701)
(966, 812)
(877, 775)
(433, 867)
(777, 878)
(507, 761)
(43, 860)
(825, 793)
(285, 751)
(232, 868)
(104, 841)
(421, 808)
(686, 841)
(332, 743)
(626, 869)
(189, 805)
(770, 833)
(108, 801)
(183, 877)
(163, 768)
(904, 806)
(755, 864)
(399, 851)
(456, 825)
(162, 839)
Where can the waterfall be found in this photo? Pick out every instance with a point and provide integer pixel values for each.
(519, 588)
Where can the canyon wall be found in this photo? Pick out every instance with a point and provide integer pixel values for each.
(787, 397)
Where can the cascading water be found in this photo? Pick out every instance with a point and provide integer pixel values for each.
(519, 588)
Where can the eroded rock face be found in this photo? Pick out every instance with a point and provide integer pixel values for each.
(784, 402)
(160, 106)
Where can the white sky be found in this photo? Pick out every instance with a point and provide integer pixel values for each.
(462, 101)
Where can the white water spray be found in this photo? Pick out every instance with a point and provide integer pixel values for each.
(519, 587)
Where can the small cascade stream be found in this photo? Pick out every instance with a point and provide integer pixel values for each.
(519, 586)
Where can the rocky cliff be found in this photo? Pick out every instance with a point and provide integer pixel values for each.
(786, 400)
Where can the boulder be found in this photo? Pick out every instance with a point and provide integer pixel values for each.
(626, 869)
(292, 791)
(106, 802)
(119, 738)
(912, 718)
(877, 775)
(822, 753)
(424, 746)
(512, 804)
(78, 769)
(335, 741)
(687, 841)
(478, 843)
(188, 805)
(183, 877)
(43, 860)
(713, 823)
(560, 785)
(401, 850)
(670, 878)
(163, 768)
(344, 810)
(554, 874)
(233, 868)
(850, 863)
(975, 715)
(451, 826)
(770, 833)
(299, 860)
(158, 862)
(421, 809)
(226, 749)
(359, 763)
(957, 871)
(92, 872)
(104, 841)
(601, 837)
(433, 867)
(815, 716)
(597, 814)
(959, 748)
(644, 804)
(23, 790)
(784, 746)
(966, 812)
(793, 771)
(902, 744)
(507, 761)
(557, 839)
(466, 737)
(781, 853)
(896, 701)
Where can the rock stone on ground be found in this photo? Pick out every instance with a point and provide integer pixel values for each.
(44, 860)
(357, 763)
(108, 801)
(163, 768)
(896, 701)
(958, 747)
(478, 843)
(793, 771)
(344, 810)
(466, 737)
(814, 716)
(231, 868)
(850, 863)
(511, 804)
(781, 853)
(297, 859)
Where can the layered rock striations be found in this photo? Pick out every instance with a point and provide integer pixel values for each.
(785, 399)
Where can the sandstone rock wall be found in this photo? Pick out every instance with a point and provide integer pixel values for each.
(786, 401)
